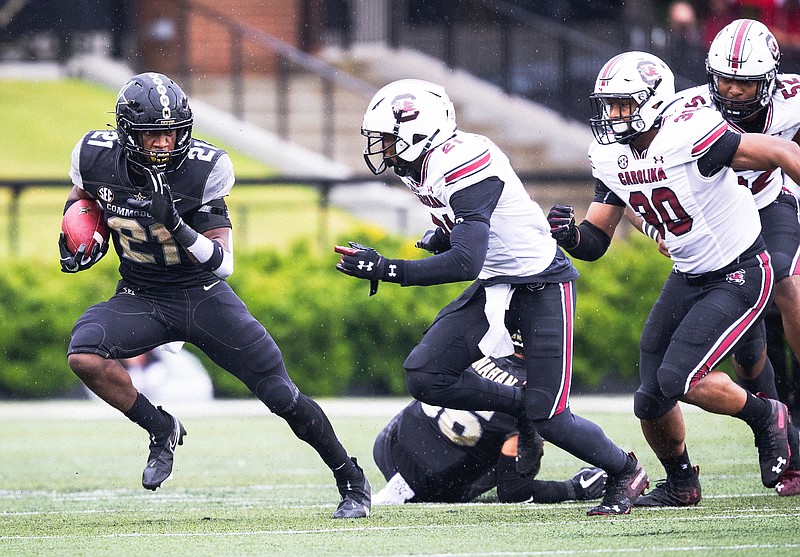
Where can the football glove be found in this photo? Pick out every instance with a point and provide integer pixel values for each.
(562, 225)
(79, 261)
(434, 241)
(364, 262)
(160, 205)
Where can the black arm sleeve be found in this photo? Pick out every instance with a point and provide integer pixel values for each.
(592, 242)
(469, 239)
(720, 154)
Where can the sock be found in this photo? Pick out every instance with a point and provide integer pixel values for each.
(756, 411)
(680, 466)
(513, 488)
(310, 424)
(764, 383)
(147, 416)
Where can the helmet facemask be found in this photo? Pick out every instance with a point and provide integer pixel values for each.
(736, 110)
(406, 119)
(743, 50)
(152, 102)
(631, 93)
(624, 127)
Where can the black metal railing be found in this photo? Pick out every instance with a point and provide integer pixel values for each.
(291, 63)
(576, 191)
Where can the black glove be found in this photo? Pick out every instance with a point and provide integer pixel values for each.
(434, 241)
(562, 225)
(361, 262)
(160, 205)
(73, 263)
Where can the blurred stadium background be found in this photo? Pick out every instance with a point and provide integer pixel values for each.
(285, 83)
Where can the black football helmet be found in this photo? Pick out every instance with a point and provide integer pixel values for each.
(153, 102)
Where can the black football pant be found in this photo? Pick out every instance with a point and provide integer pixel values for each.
(214, 319)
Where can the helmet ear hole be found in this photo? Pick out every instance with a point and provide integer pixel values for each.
(417, 137)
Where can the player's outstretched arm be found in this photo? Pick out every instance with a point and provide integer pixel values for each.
(764, 152)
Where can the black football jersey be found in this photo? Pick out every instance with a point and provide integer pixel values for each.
(148, 254)
(440, 452)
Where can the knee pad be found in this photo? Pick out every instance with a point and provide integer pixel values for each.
(429, 387)
(749, 350)
(278, 393)
(647, 407)
(421, 359)
(88, 337)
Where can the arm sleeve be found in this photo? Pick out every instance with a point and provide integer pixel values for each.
(469, 239)
(592, 242)
(720, 154)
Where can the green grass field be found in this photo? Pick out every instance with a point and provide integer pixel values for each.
(69, 485)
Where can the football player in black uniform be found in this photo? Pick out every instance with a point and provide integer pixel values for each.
(162, 192)
(441, 455)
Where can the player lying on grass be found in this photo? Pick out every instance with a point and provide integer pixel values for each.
(434, 454)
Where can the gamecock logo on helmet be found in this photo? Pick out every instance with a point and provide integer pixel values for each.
(649, 72)
(404, 108)
(773, 47)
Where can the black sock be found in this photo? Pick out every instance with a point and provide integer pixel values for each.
(764, 383)
(145, 415)
(680, 466)
(756, 411)
(310, 424)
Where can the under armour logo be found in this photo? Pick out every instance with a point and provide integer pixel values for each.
(392, 270)
(781, 463)
(363, 265)
(658, 160)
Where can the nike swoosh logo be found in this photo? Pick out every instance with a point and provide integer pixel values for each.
(210, 286)
(176, 199)
(586, 482)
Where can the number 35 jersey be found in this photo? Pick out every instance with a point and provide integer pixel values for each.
(149, 256)
(706, 222)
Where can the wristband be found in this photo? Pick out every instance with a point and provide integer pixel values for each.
(208, 253)
(650, 230)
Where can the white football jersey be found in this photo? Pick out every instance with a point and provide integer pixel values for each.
(705, 222)
(520, 243)
(782, 120)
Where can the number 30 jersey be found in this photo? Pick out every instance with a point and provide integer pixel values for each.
(706, 222)
(148, 254)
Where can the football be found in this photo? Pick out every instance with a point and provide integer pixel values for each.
(83, 223)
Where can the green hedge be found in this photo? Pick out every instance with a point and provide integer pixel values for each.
(335, 339)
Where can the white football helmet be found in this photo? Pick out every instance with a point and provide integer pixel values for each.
(746, 50)
(418, 114)
(641, 86)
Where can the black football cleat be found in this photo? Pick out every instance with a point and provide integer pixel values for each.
(589, 483)
(674, 491)
(530, 448)
(356, 496)
(622, 490)
(162, 452)
(772, 442)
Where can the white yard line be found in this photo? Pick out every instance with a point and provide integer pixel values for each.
(338, 407)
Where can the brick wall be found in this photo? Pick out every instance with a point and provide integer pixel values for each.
(210, 41)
